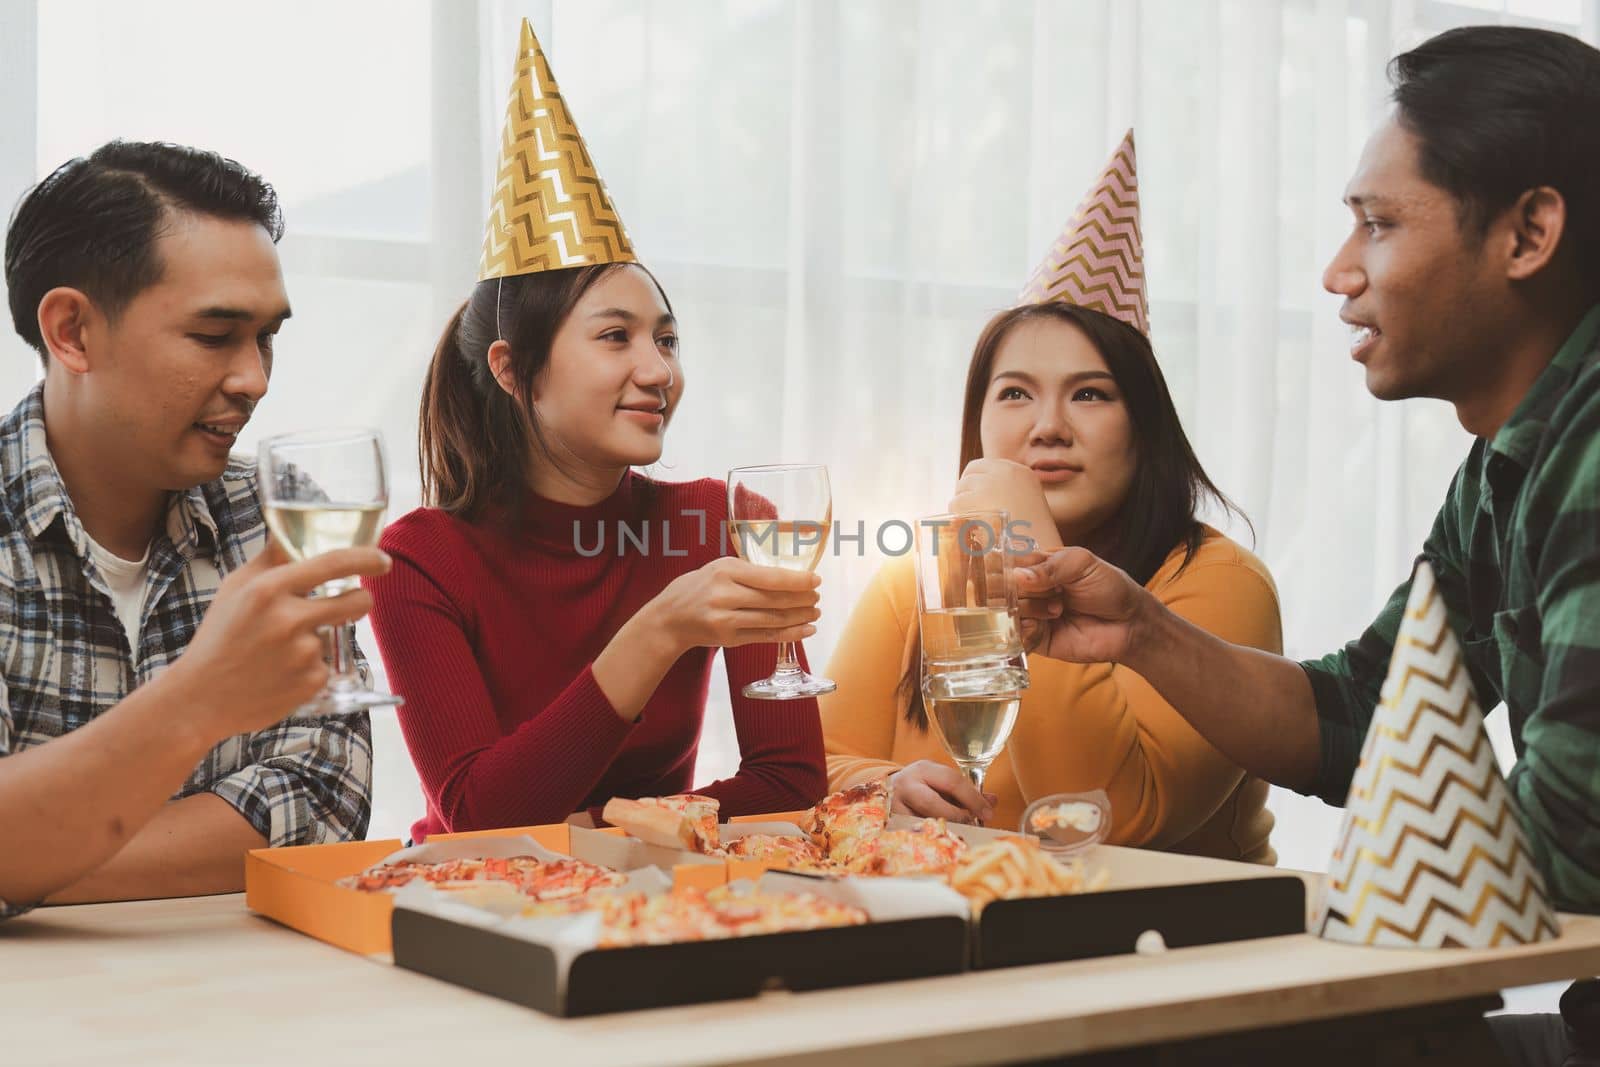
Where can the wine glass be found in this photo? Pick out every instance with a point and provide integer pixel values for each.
(780, 516)
(973, 664)
(321, 491)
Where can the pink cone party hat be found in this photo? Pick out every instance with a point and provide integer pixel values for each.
(1098, 261)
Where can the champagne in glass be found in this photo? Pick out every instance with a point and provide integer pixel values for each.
(794, 546)
(780, 516)
(967, 605)
(973, 728)
(973, 664)
(310, 529)
(323, 491)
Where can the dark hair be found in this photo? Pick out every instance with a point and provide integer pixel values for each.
(1499, 110)
(93, 223)
(474, 440)
(1159, 512)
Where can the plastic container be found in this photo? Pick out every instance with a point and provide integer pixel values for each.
(1068, 823)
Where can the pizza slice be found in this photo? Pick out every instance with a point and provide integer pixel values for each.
(527, 875)
(744, 911)
(841, 819)
(782, 852)
(682, 821)
(698, 915)
(929, 848)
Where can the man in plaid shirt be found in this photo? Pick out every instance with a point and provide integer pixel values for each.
(151, 642)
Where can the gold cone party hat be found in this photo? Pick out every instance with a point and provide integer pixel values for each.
(1098, 261)
(1431, 854)
(550, 209)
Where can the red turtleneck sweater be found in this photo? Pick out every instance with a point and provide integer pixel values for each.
(489, 633)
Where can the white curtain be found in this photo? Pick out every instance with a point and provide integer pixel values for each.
(836, 195)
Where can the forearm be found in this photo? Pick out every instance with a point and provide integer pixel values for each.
(192, 847)
(845, 771)
(633, 663)
(539, 773)
(782, 765)
(74, 802)
(1256, 708)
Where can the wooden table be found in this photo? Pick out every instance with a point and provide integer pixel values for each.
(203, 980)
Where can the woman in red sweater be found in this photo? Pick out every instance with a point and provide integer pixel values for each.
(550, 661)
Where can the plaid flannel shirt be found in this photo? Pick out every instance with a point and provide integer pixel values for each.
(65, 655)
(1516, 549)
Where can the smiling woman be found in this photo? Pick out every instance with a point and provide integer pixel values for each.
(551, 383)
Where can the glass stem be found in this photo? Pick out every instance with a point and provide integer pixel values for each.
(788, 662)
(340, 642)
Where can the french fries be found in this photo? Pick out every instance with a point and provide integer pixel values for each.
(1014, 867)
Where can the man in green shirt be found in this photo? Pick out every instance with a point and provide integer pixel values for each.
(1471, 274)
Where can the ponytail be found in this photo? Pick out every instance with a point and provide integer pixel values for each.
(450, 402)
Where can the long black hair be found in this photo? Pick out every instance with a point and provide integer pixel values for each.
(1160, 512)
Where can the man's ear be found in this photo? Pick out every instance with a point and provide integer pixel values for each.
(65, 315)
(500, 367)
(1538, 220)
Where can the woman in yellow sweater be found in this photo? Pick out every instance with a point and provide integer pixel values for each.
(1068, 425)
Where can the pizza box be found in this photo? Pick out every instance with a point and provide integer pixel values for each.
(296, 885)
(1188, 900)
(918, 929)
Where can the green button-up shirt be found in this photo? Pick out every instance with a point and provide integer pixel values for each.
(1516, 548)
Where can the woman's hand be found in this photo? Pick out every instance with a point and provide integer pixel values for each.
(936, 791)
(729, 602)
(1001, 485)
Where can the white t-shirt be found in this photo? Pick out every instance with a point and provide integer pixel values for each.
(126, 579)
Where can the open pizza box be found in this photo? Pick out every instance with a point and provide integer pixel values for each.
(916, 928)
(1187, 900)
(298, 885)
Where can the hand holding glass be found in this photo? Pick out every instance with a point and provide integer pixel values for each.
(780, 517)
(322, 491)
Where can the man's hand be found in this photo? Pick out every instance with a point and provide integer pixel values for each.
(1077, 607)
(258, 654)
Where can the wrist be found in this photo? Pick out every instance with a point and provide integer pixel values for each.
(653, 635)
(1144, 630)
(188, 708)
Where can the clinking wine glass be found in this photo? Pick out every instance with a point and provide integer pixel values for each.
(322, 491)
(780, 517)
(973, 665)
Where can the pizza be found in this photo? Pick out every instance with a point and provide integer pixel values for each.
(783, 852)
(702, 915)
(682, 821)
(841, 819)
(532, 877)
(929, 848)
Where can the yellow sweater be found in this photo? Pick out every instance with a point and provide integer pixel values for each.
(1080, 726)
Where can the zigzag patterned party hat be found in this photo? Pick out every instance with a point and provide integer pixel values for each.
(550, 209)
(1098, 261)
(1431, 854)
